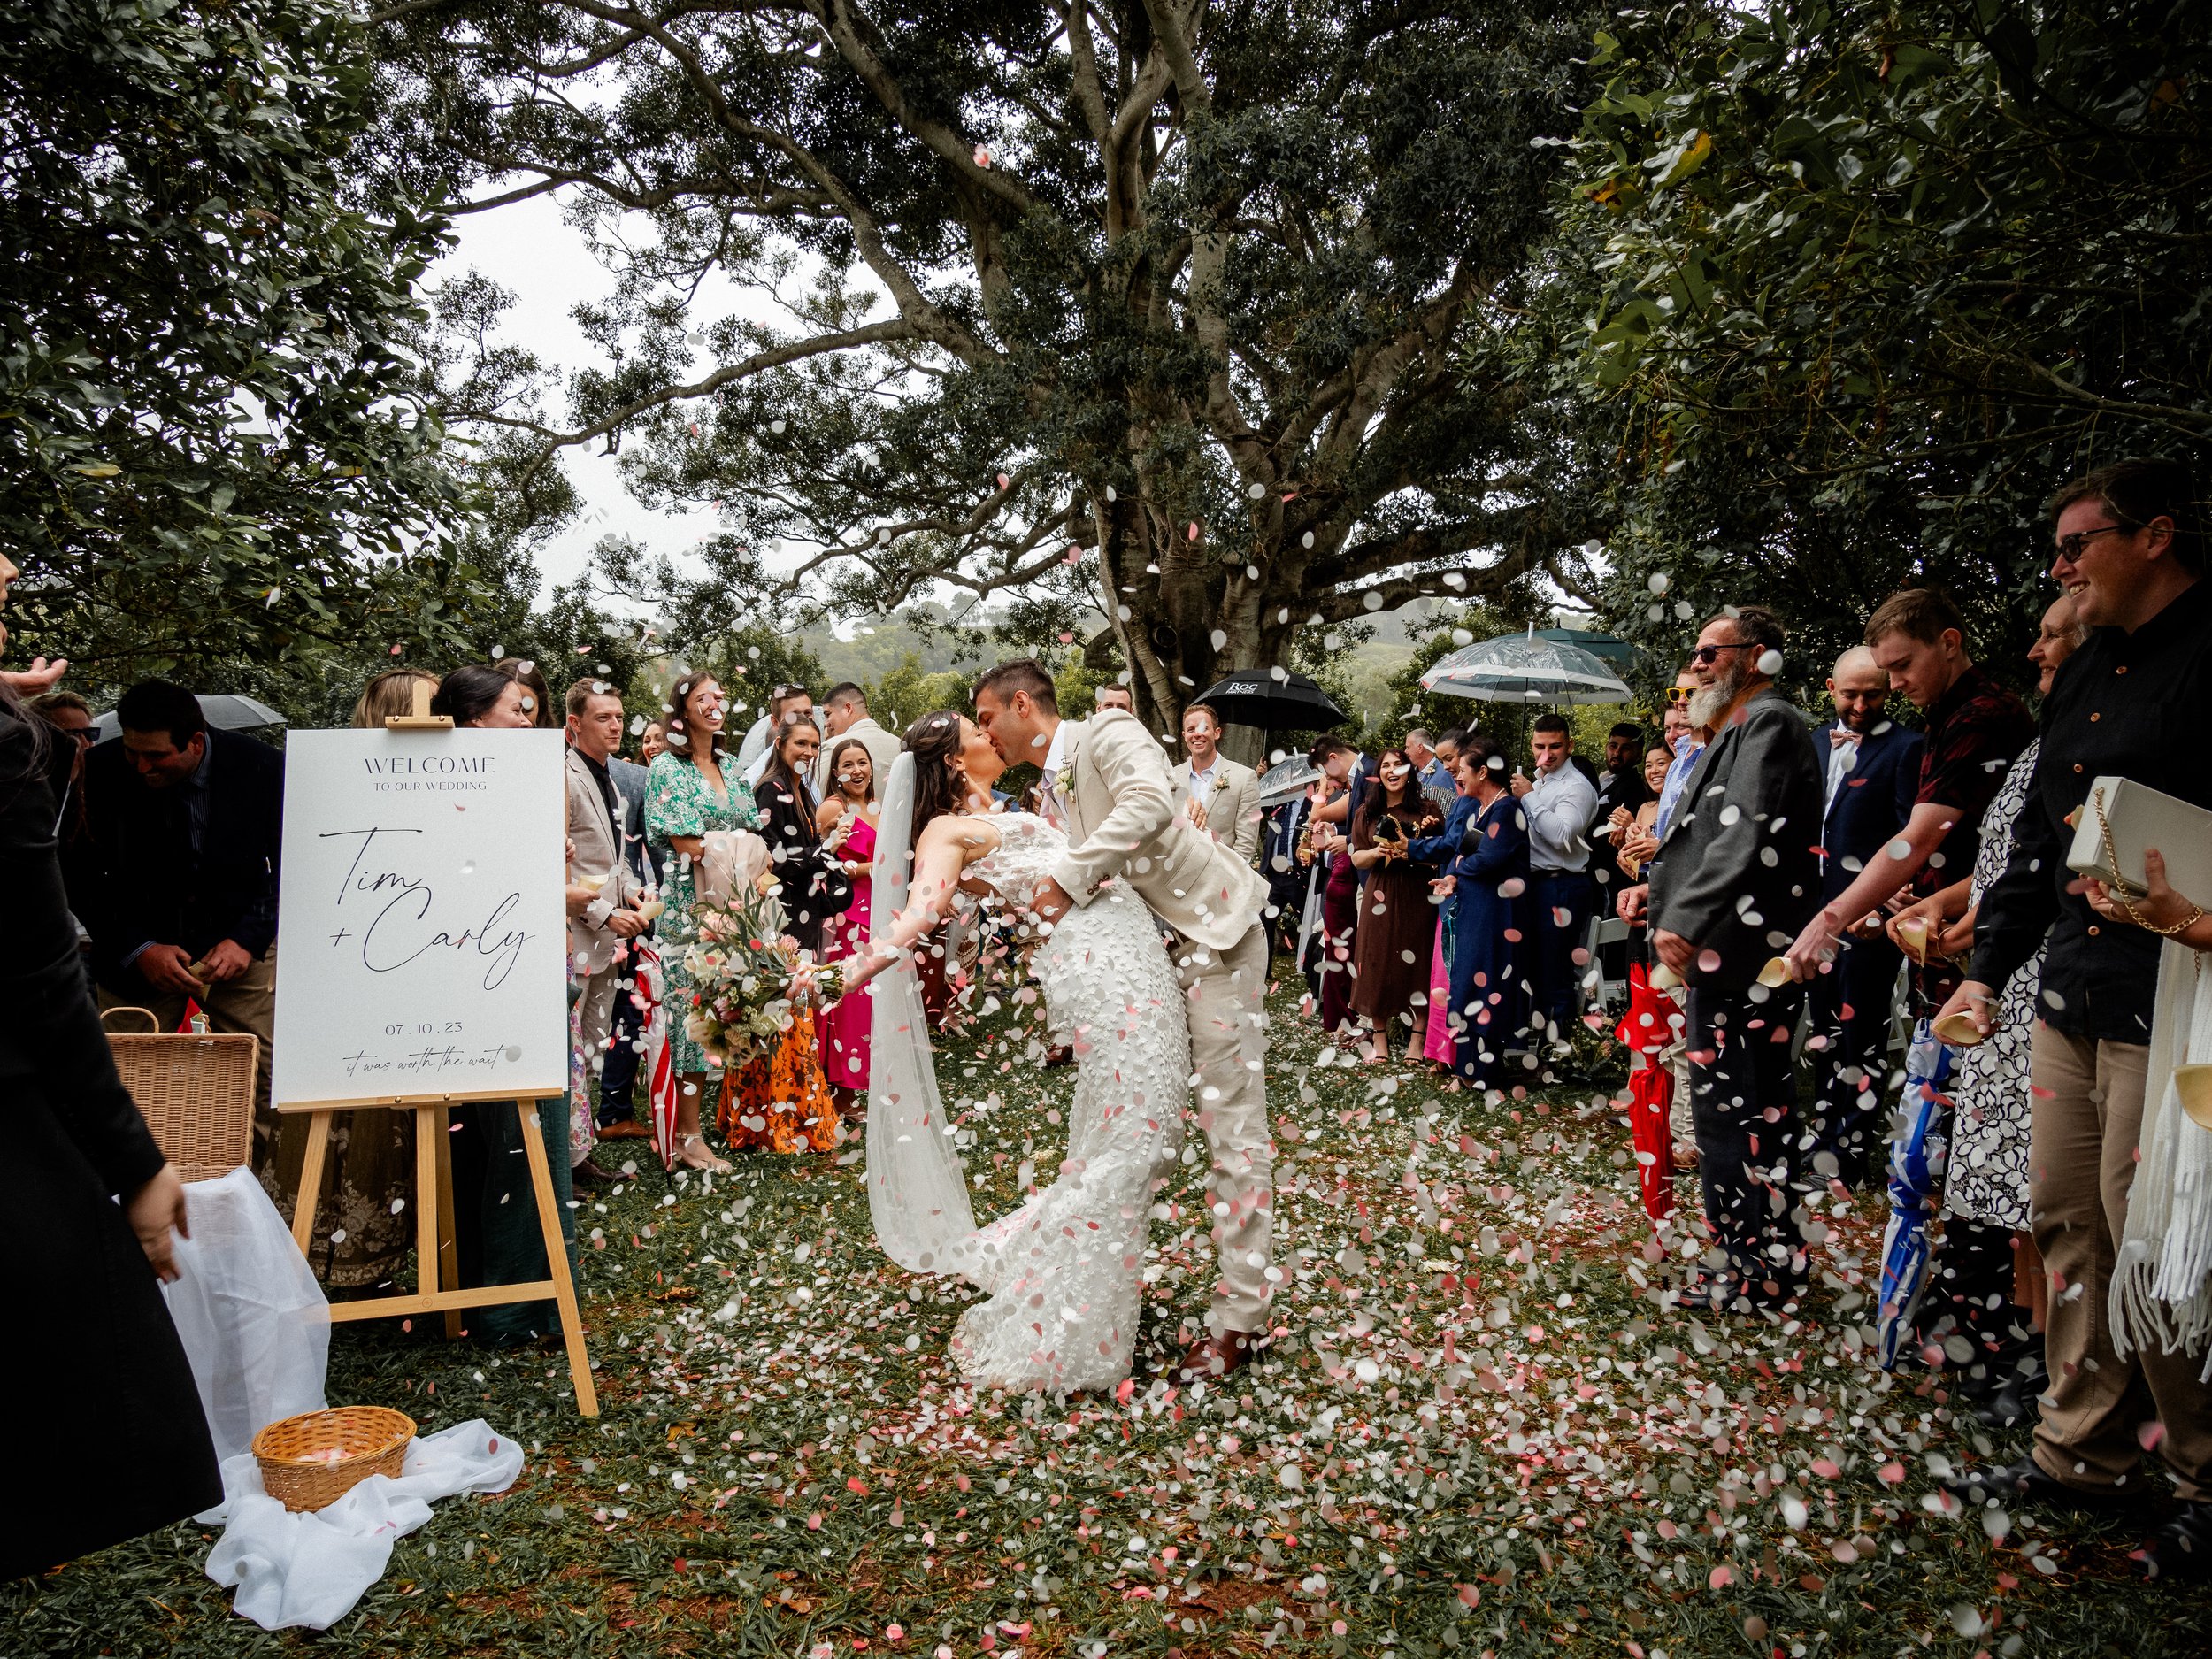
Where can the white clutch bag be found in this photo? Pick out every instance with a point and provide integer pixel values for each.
(2121, 817)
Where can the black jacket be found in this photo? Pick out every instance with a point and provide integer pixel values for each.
(142, 882)
(120, 1445)
(2125, 705)
(1739, 874)
(795, 848)
(1873, 805)
(1626, 789)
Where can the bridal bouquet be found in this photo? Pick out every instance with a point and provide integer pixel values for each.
(746, 979)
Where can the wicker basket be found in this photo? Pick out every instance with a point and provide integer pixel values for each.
(315, 1459)
(196, 1092)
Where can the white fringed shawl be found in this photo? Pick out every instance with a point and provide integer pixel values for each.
(2162, 1287)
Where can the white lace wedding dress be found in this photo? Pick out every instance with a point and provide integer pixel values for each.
(1064, 1271)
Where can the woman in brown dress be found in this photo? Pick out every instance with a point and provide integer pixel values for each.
(1397, 923)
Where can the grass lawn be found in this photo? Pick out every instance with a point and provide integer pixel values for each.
(1479, 1434)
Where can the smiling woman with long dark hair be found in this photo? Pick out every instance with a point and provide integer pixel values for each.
(1390, 941)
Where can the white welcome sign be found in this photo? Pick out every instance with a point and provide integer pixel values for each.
(422, 934)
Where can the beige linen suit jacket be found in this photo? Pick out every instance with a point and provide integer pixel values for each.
(598, 855)
(1120, 797)
(1232, 805)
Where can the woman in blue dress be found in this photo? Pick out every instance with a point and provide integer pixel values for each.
(1488, 885)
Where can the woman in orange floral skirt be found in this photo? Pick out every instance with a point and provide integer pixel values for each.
(780, 1102)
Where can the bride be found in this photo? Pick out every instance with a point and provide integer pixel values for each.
(1063, 1272)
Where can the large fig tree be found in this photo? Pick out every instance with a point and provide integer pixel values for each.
(1160, 310)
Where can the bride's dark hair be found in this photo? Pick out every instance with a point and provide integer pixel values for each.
(933, 740)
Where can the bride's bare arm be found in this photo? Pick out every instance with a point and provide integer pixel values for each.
(938, 862)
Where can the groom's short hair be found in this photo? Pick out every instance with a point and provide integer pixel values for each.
(1024, 673)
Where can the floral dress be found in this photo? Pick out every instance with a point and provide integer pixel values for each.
(1989, 1098)
(678, 802)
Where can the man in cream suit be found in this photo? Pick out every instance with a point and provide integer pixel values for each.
(596, 815)
(1214, 793)
(1108, 784)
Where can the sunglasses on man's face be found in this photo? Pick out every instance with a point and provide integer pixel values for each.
(1680, 694)
(1706, 656)
(2070, 548)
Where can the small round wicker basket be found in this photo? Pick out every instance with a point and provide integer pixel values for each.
(315, 1459)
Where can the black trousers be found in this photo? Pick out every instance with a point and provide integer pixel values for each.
(1743, 1104)
(1850, 1071)
(1557, 976)
(619, 1079)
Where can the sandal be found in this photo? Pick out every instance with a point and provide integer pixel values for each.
(712, 1166)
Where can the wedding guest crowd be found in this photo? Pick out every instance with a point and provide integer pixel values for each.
(2129, 551)
(1758, 882)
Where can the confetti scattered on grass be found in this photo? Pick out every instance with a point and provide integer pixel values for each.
(1480, 1432)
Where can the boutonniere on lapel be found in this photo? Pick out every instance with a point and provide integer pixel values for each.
(1064, 779)
(1220, 784)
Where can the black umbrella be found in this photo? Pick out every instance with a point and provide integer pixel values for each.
(1275, 700)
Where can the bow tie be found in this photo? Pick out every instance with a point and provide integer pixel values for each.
(1840, 735)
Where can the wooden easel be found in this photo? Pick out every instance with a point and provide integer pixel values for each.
(433, 1211)
(436, 1289)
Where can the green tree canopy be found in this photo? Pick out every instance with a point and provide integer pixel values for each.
(209, 457)
(1151, 308)
(1869, 280)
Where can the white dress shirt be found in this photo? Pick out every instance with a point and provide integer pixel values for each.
(1559, 806)
(1056, 810)
(1841, 758)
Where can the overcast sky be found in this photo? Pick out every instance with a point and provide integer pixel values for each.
(526, 250)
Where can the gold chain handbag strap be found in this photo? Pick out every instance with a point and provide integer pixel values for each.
(2121, 890)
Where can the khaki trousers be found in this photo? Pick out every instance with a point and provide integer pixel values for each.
(2086, 1119)
(1225, 992)
(595, 1021)
(247, 1003)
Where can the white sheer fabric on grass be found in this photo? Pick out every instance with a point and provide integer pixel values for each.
(917, 1190)
(307, 1570)
(254, 1323)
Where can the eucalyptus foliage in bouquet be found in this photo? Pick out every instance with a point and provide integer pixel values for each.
(747, 979)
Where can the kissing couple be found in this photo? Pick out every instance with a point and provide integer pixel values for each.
(1148, 1020)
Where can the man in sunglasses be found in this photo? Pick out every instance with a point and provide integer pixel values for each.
(1684, 741)
(2127, 704)
(1735, 877)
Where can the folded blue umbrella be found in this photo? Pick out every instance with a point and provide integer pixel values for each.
(1919, 1148)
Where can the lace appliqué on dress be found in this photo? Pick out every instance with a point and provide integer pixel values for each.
(1065, 1273)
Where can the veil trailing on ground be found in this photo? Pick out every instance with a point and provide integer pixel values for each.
(917, 1192)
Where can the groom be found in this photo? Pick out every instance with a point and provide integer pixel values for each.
(1108, 786)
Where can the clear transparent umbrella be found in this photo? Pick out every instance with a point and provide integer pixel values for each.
(1525, 668)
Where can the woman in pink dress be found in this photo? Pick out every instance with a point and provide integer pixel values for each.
(849, 813)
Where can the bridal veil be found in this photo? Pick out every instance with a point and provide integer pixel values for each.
(917, 1192)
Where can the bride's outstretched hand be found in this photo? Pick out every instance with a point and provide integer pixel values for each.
(865, 966)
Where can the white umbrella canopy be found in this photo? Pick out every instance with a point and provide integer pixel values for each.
(1522, 668)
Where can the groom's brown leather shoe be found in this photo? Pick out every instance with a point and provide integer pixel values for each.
(1216, 1356)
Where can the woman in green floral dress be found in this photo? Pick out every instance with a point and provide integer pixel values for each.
(688, 796)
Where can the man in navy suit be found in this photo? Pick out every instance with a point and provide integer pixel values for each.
(1873, 768)
(179, 886)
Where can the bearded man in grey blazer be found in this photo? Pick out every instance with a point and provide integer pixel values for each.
(1108, 785)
